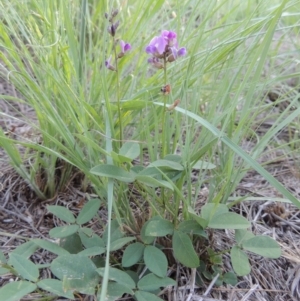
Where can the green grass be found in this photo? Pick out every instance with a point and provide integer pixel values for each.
(55, 52)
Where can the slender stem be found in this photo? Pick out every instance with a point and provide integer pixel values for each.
(163, 151)
(118, 93)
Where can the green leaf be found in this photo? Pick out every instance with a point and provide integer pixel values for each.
(71, 243)
(159, 227)
(93, 251)
(116, 290)
(183, 250)
(88, 211)
(77, 272)
(152, 182)
(118, 276)
(119, 158)
(203, 165)
(151, 172)
(156, 261)
(145, 296)
(26, 249)
(228, 220)
(166, 165)
(115, 232)
(152, 282)
(130, 150)
(240, 261)
(50, 246)
(132, 254)
(211, 209)
(113, 172)
(201, 221)
(64, 231)
(55, 287)
(62, 213)
(146, 239)
(192, 227)
(2, 257)
(230, 278)
(174, 158)
(120, 243)
(14, 291)
(263, 245)
(135, 104)
(25, 268)
(241, 235)
(93, 241)
(4, 271)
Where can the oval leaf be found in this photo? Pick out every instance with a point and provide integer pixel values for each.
(210, 209)
(132, 254)
(116, 290)
(192, 227)
(112, 172)
(130, 150)
(50, 246)
(159, 227)
(120, 243)
(118, 276)
(14, 291)
(183, 250)
(62, 213)
(263, 245)
(203, 165)
(88, 211)
(26, 249)
(64, 231)
(93, 251)
(77, 272)
(27, 269)
(152, 182)
(152, 282)
(241, 235)
(166, 165)
(55, 287)
(228, 220)
(240, 261)
(156, 261)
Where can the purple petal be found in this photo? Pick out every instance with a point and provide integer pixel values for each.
(182, 51)
(122, 44)
(161, 45)
(127, 47)
(150, 49)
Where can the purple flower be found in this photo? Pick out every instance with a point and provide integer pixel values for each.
(108, 65)
(164, 46)
(170, 38)
(157, 46)
(155, 62)
(125, 47)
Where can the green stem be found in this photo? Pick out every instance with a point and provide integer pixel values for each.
(118, 94)
(163, 151)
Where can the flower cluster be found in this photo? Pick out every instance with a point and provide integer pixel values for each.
(112, 29)
(164, 48)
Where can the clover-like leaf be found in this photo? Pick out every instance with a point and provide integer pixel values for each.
(88, 211)
(132, 254)
(263, 245)
(240, 261)
(62, 213)
(183, 250)
(156, 261)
